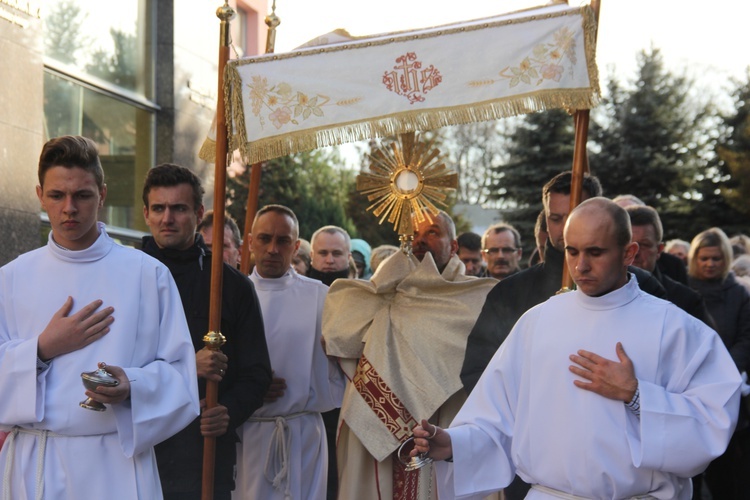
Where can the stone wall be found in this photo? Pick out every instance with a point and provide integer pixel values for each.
(21, 127)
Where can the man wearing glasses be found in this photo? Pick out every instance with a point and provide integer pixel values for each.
(501, 249)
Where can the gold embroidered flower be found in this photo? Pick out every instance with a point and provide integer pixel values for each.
(552, 72)
(546, 61)
(284, 90)
(258, 92)
(282, 104)
(308, 106)
(281, 116)
(564, 39)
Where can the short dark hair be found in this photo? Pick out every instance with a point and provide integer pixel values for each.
(279, 209)
(642, 215)
(540, 226)
(470, 241)
(208, 221)
(499, 228)
(168, 175)
(561, 184)
(71, 151)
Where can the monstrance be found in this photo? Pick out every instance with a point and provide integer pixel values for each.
(406, 181)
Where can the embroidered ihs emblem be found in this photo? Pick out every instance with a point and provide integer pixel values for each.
(409, 79)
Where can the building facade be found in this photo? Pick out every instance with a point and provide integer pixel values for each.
(139, 77)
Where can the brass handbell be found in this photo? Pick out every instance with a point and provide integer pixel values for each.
(413, 463)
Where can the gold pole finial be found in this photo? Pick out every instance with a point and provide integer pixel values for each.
(272, 21)
(225, 13)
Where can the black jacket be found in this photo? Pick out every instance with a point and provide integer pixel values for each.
(248, 375)
(515, 295)
(729, 305)
(685, 298)
(673, 267)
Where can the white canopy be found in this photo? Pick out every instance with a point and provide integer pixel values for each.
(389, 84)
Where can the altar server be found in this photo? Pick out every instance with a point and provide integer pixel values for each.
(283, 452)
(604, 392)
(80, 300)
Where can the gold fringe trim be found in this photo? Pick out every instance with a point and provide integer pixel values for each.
(235, 111)
(208, 151)
(296, 142)
(589, 40)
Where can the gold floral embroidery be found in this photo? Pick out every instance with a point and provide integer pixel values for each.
(282, 105)
(545, 63)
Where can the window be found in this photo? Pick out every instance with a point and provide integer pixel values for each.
(98, 83)
(239, 31)
(105, 40)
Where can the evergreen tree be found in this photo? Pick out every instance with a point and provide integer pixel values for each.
(540, 148)
(707, 204)
(720, 195)
(734, 155)
(647, 140)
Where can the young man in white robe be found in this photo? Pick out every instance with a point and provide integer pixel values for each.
(604, 392)
(283, 452)
(80, 300)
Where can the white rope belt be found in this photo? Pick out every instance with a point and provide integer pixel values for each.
(43, 434)
(277, 463)
(569, 496)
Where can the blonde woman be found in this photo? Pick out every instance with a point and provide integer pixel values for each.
(728, 302)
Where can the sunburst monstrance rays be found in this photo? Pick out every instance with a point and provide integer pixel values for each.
(405, 181)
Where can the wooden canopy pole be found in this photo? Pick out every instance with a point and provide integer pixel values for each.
(253, 188)
(214, 339)
(580, 159)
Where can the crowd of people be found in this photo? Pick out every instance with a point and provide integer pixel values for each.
(337, 354)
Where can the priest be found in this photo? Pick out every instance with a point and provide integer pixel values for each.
(401, 339)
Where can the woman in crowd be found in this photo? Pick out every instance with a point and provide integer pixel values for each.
(709, 260)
